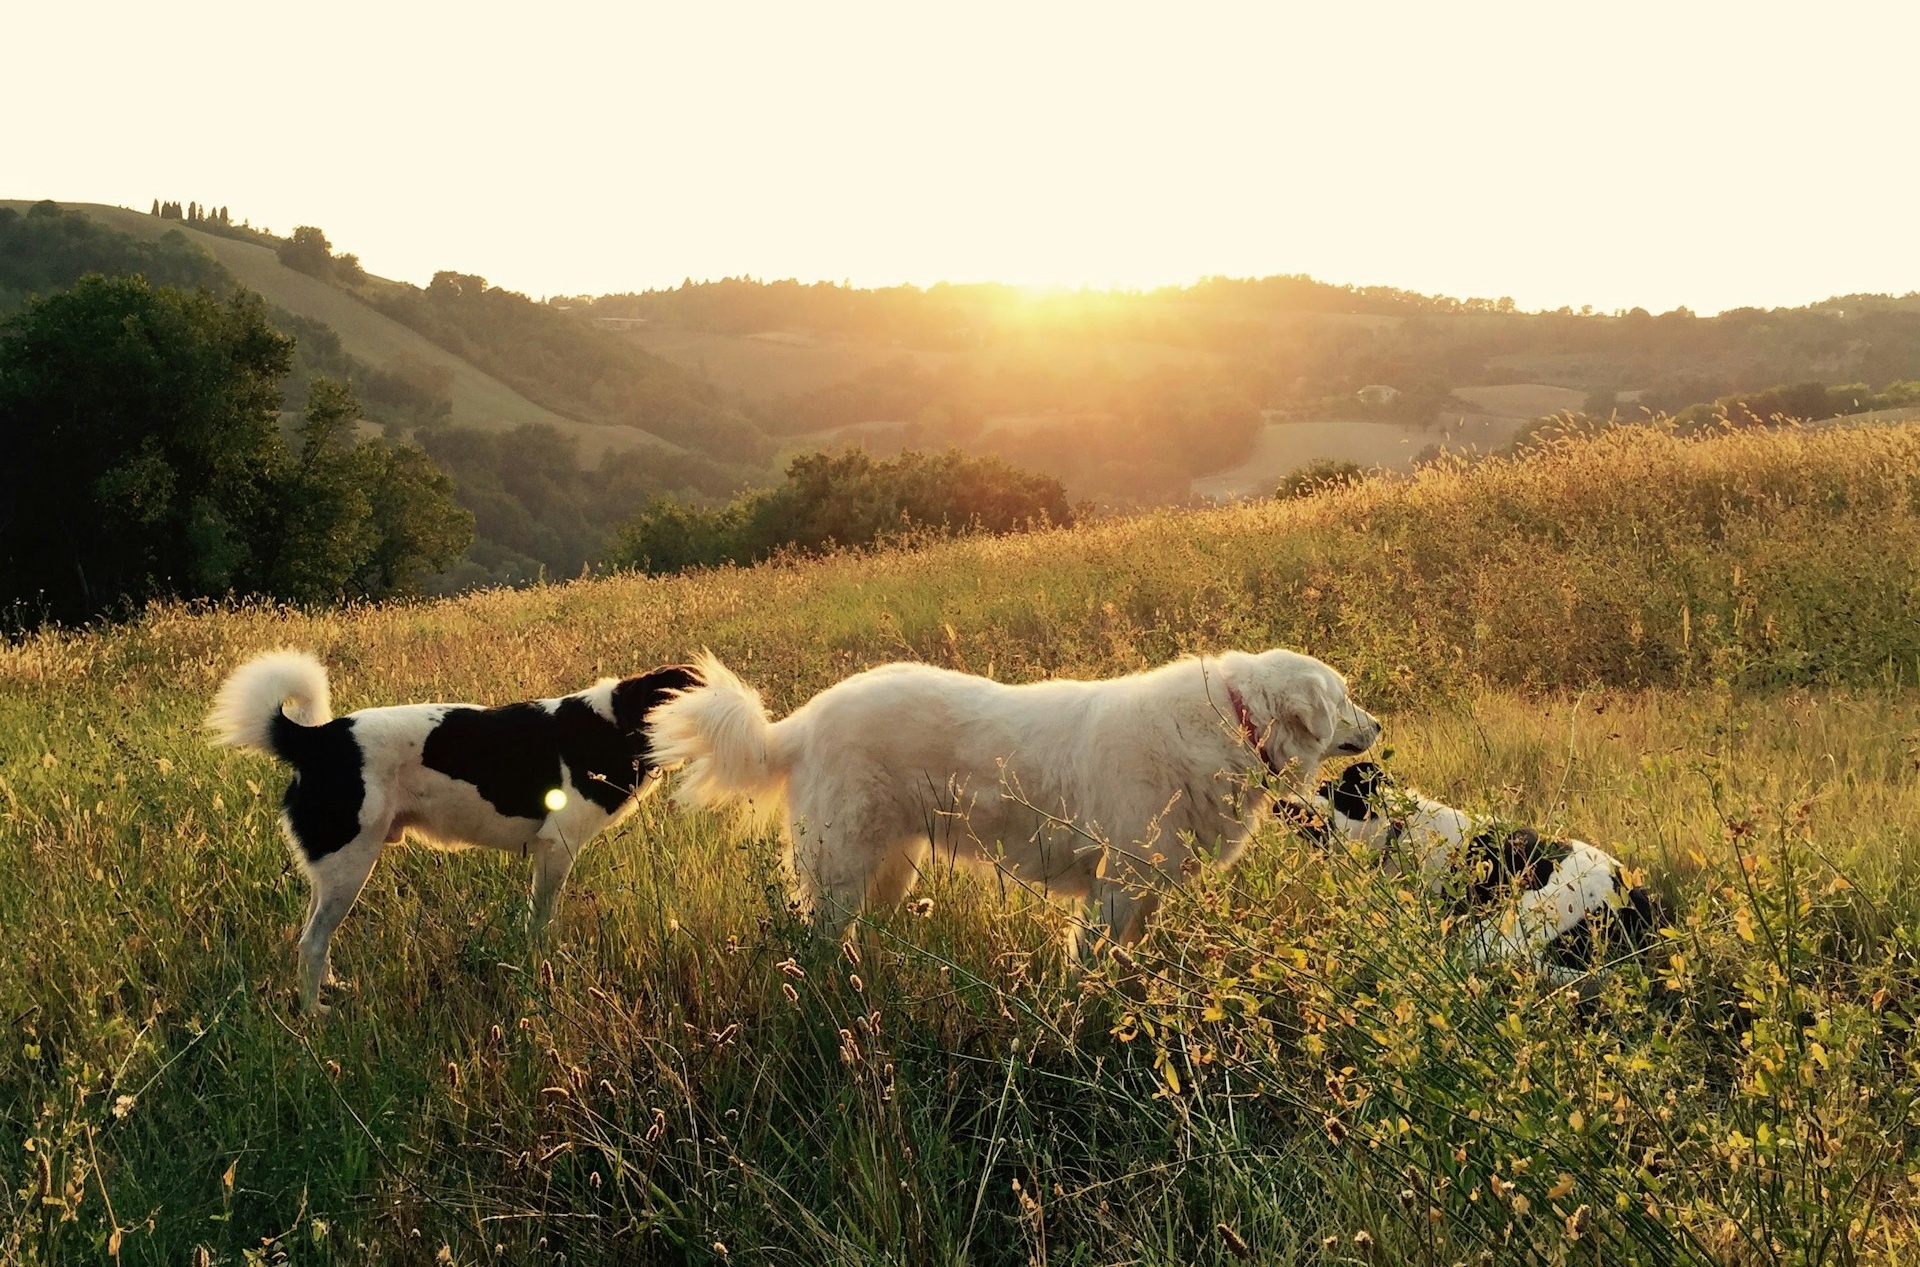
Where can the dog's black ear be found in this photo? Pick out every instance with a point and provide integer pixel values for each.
(635, 697)
(1357, 792)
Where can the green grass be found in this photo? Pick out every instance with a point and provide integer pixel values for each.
(1702, 654)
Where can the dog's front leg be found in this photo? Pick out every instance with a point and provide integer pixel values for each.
(552, 859)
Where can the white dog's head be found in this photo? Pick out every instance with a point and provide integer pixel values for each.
(1297, 712)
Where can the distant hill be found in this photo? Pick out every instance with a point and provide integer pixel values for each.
(479, 399)
(1219, 388)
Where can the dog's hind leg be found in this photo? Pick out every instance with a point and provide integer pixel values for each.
(337, 880)
(552, 861)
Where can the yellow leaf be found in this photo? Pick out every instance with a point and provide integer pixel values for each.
(1562, 1186)
(226, 1180)
(1577, 1120)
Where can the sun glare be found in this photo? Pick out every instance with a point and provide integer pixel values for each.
(556, 800)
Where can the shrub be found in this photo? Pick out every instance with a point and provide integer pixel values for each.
(846, 499)
(1319, 475)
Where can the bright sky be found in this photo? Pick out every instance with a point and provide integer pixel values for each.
(1657, 154)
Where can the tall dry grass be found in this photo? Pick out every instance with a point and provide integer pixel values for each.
(1698, 652)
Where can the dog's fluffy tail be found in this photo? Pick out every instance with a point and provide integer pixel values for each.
(263, 695)
(720, 734)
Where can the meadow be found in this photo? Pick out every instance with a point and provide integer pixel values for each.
(1702, 653)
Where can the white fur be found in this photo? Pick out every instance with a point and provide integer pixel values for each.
(1435, 836)
(247, 701)
(1094, 791)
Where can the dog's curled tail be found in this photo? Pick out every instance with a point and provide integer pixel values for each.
(720, 735)
(263, 694)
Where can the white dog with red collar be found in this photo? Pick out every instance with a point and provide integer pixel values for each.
(1085, 791)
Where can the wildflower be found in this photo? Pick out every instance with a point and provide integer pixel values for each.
(850, 952)
(1336, 1130)
(859, 986)
(1231, 1239)
(793, 995)
(792, 969)
(921, 906)
(453, 1075)
(1363, 1242)
(123, 1106)
(1578, 1221)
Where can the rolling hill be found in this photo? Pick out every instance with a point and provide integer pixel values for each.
(479, 399)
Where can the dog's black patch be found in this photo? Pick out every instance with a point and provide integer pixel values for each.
(635, 697)
(1502, 860)
(1356, 793)
(323, 801)
(512, 754)
(605, 764)
(1615, 931)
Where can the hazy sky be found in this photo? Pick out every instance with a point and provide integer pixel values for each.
(1711, 155)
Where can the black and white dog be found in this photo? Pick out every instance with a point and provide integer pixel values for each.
(540, 778)
(1564, 905)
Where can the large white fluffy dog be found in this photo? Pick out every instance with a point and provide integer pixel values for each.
(539, 778)
(1094, 791)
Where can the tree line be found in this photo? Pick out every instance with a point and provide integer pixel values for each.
(141, 456)
(846, 499)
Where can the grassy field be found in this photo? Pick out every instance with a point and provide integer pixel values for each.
(1701, 653)
(479, 399)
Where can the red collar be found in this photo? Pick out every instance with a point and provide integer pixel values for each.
(1247, 728)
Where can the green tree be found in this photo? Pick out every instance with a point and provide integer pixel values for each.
(139, 448)
(844, 499)
(307, 251)
(141, 457)
(358, 519)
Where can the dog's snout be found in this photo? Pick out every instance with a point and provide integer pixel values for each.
(1366, 733)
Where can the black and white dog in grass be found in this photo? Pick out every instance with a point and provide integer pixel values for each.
(1563, 905)
(540, 778)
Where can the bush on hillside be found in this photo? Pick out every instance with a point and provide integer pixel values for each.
(1320, 475)
(844, 499)
(48, 249)
(561, 362)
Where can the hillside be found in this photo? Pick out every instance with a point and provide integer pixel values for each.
(479, 400)
(1700, 653)
(1103, 389)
